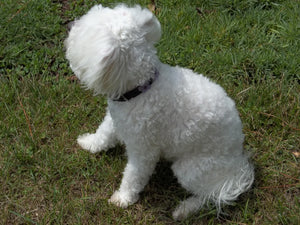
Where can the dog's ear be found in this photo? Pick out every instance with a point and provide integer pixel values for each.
(151, 26)
(154, 30)
(96, 8)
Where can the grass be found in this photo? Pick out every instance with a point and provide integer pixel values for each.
(249, 47)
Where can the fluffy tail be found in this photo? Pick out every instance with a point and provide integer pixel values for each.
(225, 192)
(233, 186)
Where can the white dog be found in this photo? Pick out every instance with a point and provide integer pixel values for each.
(157, 110)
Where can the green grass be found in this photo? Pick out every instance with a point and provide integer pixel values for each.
(249, 47)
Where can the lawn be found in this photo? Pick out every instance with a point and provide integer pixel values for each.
(250, 47)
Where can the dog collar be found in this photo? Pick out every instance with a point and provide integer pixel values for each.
(138, 90)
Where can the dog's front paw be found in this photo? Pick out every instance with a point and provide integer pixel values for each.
(89, 142)
(123, 200)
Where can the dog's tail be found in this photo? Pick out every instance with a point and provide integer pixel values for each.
(226, 191)
(234, 185)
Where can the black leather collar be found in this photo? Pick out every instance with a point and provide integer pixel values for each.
(138, 90)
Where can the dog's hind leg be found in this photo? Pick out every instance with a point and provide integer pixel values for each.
(188, 206)
(219, 181)
(103, 139)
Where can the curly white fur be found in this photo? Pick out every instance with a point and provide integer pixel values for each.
(184, 117)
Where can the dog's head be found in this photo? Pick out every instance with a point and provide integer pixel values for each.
(108, 49)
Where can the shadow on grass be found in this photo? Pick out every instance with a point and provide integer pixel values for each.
(163, 193)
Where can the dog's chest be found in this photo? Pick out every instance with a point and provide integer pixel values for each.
(136, 120)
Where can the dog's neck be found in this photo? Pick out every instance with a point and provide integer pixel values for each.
(139, 89)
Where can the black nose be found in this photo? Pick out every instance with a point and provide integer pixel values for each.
(70, 25)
